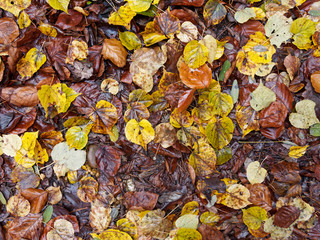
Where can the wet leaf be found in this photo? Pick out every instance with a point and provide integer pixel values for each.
(305, 115)
(244, 15)
(195, 54)
(165, 134)
(71, 158)
(140, 200)
(130, 40)
(62, 229)
(48, 30)
(140, 133)
(214, 12)
(210, 218)
(54, 195)
(237, 196)
(77, 137)
(31, 63)
(122, 17)
(112, 234)
(256, 173)
(203, 158)
(222, 103)
(190, 208)
(77, 50)
(15, 6)
(59, 4)
(302, 28)
(181, 119)
(47, 214)
(297, 151)
(225, 67)
(188, 32)
(115, 52)
(187, 221)
(187, 233)
(195, 78)
(18, 206)
(139, 5)
(99, 216)
(219, 132)
(37, 198)
(261, 97)
(212, 45)
(315, 130)
(292, 64)
(285, 216)
(254, 216)
(24, 20)
(150, 35)
(167, 24)
(88, 189)
(9, 30)
(144, 80)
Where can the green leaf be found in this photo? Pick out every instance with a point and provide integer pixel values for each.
(224, 155)
(224, 69)
(315, 130)
(2, 199)
(235, 91)
(47, 214)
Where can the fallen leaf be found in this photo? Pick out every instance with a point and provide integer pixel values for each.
(24, 20)
(243, 15)
(222, 103)
(130, 40)
(179, 119)
(140, 200)
(36, 197)
(140, 133)
(88, 188)
(144, 80)
(237, 196)
(165, 134)
(197, 78)
(10, 144)
(15, 6)
(112, 234)
(190, 208)
(261, 97)
(188, 32)
(292, 64)
(302, 28)
(219, 132)
(62, 230)
(260, 195)
(31, 63)
(48, 30)
(195, 54)
(25, 96)
(59, 4)
(210, 218)
(139, 5)
(315, 80)
(77, 50)
(77, 137)
(99, 217)
(71, 158)
(214, 12)
(18, 206)
(305, 114)
(256, 173)
(122, 16)
(285, 216)
(254, 216)
(212, 45)
(247, 119)
(54, 195)
(115, 52)
(297, 151)
(167, 24)
(278, 29)
(187, 221)
(275, 231)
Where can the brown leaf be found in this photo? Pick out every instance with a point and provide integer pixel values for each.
(88, 188)
(25, 177)
(286, 172)
(69, 20)
(292, 64)
(273, 116)
(9, 30)
(272, 133)
(315, 80)
(208, 232)
(26, 96)
(194, 3)
(37, 198)
(174, 92)
(260, 195)
(166, 23)
(165, 134)
(54, 195)
(195, 78)
(28, 227)
(108, 159)
(250, 27)
(140, 200)
(285, 216)
(99, 216)
(115, 52)
(185, 100)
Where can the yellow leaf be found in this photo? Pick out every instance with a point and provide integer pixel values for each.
(130, 40)
(219, 132)
(114, 134)
(40, 154)
(237, 196)
(259, 49)
(77, 137)
(104, 117)
(187, 233)
(211, 44)
(31, 62)
(59, 95)
(256, 173)
(190, 208)
(144, 80)
(254, 216)
(262, 97)
(24, 20)
(178, 119)
(303, 29)
(14, 6)
(122, 17)
(59, 4)
(72, 176)
(245, 65)
(29, 140)
(112, 234)
(297, 151)
(48, 30)
(139, 5)
(220, 49)
(195, 54)
(209, 218)
(140, 133)
(203, 158)
(151, 36)
(222, 103)
(247, 119)
(77, 50)
(187, 221)
(127, 226)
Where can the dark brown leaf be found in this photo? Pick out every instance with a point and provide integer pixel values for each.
(286, 172)
(167, 24)
(285, 216)
(260, 195)
(108, 159)
(140, 200)
(26, 96)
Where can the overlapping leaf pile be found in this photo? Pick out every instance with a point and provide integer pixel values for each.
(170, 119)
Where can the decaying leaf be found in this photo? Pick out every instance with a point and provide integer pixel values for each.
(77, 50)
(237, 196)
(18, 206)
(188, 32)
(305, 116)
(254, 216)
(99, 216)
(256, 173)
(15, 6)
(115, 52)
(31, 62)
(63, 230)
(71, 158)
(244, 15)
(187, 221)
(214, 12)
(195, 54)
(165, 134)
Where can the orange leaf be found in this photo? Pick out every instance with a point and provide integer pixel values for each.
(195, 78)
